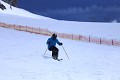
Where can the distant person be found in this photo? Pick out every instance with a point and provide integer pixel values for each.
(51, 42)
(2, 6)
(13, 3)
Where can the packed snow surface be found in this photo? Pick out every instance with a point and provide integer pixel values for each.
(22, 54)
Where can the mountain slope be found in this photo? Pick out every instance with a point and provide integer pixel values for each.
(103, 30)
(21, 53)
(20, 12)
(22, 58)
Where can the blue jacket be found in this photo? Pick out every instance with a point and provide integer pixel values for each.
(52, 42)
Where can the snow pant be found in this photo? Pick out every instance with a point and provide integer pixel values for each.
(55, 51)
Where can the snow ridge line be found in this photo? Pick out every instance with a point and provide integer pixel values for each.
(61, 35)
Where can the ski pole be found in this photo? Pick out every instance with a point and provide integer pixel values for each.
(45, 51)
(65, 52)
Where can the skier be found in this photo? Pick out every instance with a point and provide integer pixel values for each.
(51, 42)
(13, 3)
(2, 6)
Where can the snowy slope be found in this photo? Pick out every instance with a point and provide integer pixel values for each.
(21, 53)
(21, 58)
(103, 30)
(20, 12)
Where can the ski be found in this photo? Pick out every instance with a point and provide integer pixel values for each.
(58, 59)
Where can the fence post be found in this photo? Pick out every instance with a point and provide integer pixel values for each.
(32, 29)
(4, 25)
(112, 42)
(89, 38)
(39, 30)
(80, 37)
(100, 41)
(26, 28)
(14, 26)
(9, 26)
(20, 27)
(72, 36)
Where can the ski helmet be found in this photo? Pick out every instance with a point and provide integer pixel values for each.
(54, 36)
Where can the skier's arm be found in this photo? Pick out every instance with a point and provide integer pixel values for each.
(59, 43)
(48, 42)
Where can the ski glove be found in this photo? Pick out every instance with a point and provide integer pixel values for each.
(61, 44)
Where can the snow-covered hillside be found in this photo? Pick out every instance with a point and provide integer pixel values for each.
(21, 53)
(21, 58)
(103, 30)
(20, 12)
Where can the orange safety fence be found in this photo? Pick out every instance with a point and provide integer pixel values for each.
(62, 35)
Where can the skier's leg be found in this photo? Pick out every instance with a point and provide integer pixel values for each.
(53, 52)
(56, 52)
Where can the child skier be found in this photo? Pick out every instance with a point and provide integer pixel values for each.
(51, 42)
